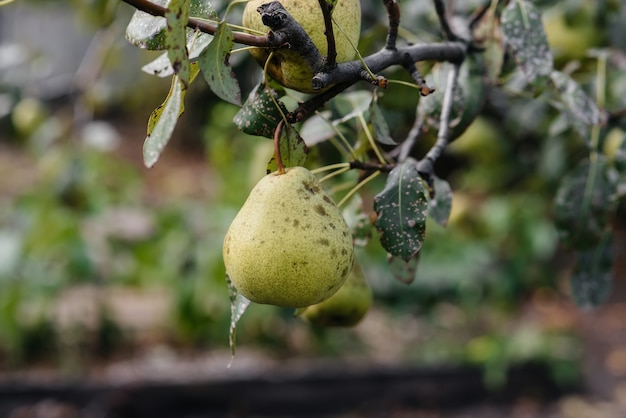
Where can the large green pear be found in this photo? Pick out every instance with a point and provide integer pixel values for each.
(286, 66)
(345, 308)
(289, 245)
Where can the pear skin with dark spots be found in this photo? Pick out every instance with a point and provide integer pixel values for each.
(295, 263)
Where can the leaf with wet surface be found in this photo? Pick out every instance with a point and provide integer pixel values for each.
(216, 69)
(522, 31)
(259, 114)
(440, 205)
(402, 208)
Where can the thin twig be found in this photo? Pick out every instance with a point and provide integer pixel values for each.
(393, 12)
(277, 134)
(407, 145)
(424, 89)
(440, 7)
(331, 52)
(360, 165)
(426, 165)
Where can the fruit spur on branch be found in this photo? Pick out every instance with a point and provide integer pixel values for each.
(294, 67)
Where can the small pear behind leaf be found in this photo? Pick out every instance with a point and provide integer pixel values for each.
(345, 308)
(289, 245)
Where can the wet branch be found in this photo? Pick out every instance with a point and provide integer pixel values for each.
(331, 54)
(201, 25)
(440, 8)
(426, 164)
(393, 12)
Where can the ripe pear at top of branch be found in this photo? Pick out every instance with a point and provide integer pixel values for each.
(289, 245)
(287, 66)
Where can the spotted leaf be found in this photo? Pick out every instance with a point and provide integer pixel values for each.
(216, 69)
(259, 114)
(402, 207)
(523, 33)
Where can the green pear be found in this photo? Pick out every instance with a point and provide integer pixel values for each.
(345, 308)
(289, 245)
(287, 67)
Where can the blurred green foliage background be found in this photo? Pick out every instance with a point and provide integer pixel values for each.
(100, 257)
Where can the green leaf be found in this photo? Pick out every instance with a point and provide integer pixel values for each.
(202, 9)
(162, 122)
(403, 271)
(581, 111)
(473, 84)
(161, 66)
(293, 150)
(238, 306)
(583, 204)
(440, 206)
(163, 119)
(522, 31)
(259, 114)
(216, 69)
(147, 31)
(402, 207)
(592, 277)
(381, 128)
(177, 15)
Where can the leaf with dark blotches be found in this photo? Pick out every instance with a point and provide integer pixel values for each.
(259, 114)
(584, 203)
(440, 206)
(163, 119)
(403, 271)
(379, 123)
(238, 306)
(402, 208)
(216, 69)
(293, 150)
(162, 122)
(522, 31)
(177, 15)
(592, 278)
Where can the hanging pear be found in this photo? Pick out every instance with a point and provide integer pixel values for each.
(289, 245)
(345, 308)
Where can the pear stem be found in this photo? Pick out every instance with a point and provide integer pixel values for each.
(277, 134)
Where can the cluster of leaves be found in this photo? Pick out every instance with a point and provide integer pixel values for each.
(507, 46)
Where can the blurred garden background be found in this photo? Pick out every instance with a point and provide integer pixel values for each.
(112, 274)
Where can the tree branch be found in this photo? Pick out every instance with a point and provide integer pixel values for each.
(201, 25)
(286, 31)
(426, 164)
(331, 54)
(350, 72)
(440, 7)
(393, 12)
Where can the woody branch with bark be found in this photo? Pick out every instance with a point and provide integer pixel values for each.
(286, 32)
